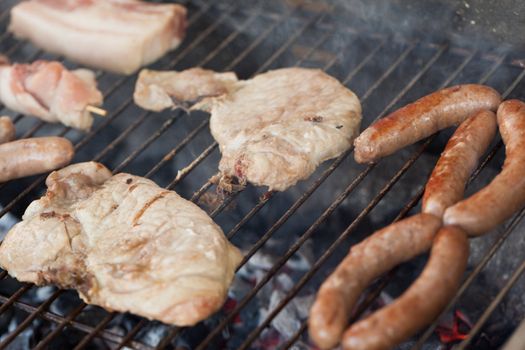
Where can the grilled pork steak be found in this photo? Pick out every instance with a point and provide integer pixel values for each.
(125, 244)
(275, 129)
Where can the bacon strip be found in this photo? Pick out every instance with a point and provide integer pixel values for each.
(47, 90)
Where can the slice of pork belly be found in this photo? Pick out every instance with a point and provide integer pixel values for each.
(114, 35)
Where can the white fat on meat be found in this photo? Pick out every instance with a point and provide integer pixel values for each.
(124, 244)
(47, 90)
(114, 35)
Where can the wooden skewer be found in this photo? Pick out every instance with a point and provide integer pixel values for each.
(97, 110)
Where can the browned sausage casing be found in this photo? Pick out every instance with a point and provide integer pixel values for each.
(421, 303)
(366, 261)
(505, 195)
(7, 130)
(446, 185)
(423, 118)
(33, 156)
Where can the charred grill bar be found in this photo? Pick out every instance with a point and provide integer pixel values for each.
(176, 149)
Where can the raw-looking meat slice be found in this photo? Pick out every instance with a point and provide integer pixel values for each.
(47, 90)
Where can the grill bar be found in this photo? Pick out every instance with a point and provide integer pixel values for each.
(131, 334)
(290, 342)
(44, 343)
(28, 320)
(14, 297)
(490, 309)
(92, 333)
(176, 150)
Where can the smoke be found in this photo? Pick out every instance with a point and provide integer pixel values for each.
(463, 22)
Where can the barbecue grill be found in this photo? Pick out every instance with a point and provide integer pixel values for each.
(291, 240)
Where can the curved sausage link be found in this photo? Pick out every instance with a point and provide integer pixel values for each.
(33, 156)
(446, 185)
(505, 195)
(7, 130)
(421, 303)
(423, 118)
(366, 261)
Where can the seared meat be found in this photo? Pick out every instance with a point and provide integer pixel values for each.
(275, 129)
(47, 90)
(125, 244)
(279, 126)
(116, 35)
(156, 90)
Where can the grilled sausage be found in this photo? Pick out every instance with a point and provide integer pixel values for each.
(7, 130)
(446, 185)
(505, 195)
(421, 303)
(423, 118)
(366, 261)
(33, 156)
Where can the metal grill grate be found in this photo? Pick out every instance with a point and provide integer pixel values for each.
(334, 208)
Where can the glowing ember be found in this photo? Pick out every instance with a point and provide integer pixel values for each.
(458, 330)
(228, 307)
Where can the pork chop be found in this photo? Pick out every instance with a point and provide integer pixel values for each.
(123, 243)
(275, 129)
